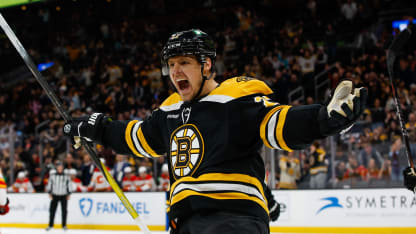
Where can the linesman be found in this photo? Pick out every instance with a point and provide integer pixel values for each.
(59, 189)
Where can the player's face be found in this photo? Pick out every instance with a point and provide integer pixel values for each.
(185, 74)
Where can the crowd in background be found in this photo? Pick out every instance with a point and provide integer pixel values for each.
(112, 65)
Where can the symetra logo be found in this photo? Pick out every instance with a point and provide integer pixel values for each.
(85, 205)
(334, 202)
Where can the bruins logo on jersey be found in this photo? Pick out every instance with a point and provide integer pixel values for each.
(186, 150)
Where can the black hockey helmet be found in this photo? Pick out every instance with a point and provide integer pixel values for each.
(190, 42)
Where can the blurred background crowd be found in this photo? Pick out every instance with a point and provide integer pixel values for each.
(105, 56)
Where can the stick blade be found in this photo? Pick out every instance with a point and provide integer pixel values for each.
(399, 41)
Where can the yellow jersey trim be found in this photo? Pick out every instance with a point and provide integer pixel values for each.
(263, 125)
(241, 86)
(232, 177)
(279, 129)
(218, 196)
(128, 138)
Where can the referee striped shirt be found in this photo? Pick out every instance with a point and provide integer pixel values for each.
(59, 184)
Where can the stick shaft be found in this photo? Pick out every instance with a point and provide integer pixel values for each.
(29, 63)
(393, 50)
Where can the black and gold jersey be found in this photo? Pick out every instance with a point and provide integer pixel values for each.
(212, 145)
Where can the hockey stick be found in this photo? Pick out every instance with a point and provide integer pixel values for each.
(393, 50)
(29, 63)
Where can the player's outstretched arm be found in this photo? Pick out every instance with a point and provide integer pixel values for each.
(410, 179)
(125, 137)
(306, 123)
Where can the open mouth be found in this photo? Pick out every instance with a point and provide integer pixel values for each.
(183, 84)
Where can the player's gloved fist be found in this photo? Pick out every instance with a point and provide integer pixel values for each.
(90, 128)
(410, 179)
(5, 209)
(343, 110)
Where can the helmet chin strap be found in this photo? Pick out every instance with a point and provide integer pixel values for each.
(204, 78)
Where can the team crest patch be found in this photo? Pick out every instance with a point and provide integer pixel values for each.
(186, 150)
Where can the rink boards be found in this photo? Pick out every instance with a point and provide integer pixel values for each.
(302, 211)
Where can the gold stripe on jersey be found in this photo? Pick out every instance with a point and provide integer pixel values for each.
(264, 123)
(138, 145)
(173, 102)
(129, 140)
(218, 196)
(279, 130)
(232, 179)
(278, 115)
(241, 86)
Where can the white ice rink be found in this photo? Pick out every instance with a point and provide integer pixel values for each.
(60, 231)
(74, 231)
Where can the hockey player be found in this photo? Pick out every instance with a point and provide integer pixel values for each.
(212, 133)
(77, 186)
(144, 181)
(410, 179)
(98, 183)
(164, 179)
(22, 184)
(4, 201)
(129, 180)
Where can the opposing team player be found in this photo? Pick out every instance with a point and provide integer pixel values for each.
(4, 201)
(212, 133)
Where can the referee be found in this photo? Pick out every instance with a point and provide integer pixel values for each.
(59, 189)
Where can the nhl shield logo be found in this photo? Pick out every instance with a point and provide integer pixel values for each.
(85, 205)
(186, 150)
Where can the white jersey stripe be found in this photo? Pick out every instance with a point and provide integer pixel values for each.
(175, 106)
(217, 98)
(215, 187)
(136, 140)
(271, 130)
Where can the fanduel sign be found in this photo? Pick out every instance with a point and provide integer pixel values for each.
(88, 206)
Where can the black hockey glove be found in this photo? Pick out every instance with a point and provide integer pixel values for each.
(274, 210)
(343, 109)
(90, 128)
(410, 179)
(273, 205)
(5, 209)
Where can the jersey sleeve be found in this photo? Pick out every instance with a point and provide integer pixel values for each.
(290, 127)
(139, 138)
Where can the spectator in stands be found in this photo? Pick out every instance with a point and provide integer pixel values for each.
(369, 153)
(397, 158)
(129, 180)
(22, 184)
(340, 172)
(163, 180)
(385, 173)
(373, 170)
(144, 182)
(69, 162)
(319, 166)
(349, 10)
(356, 173)
(87, 169)
(289, 171)
(118, 169)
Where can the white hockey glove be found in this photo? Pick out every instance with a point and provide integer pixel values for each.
(345, 107)
(410, 179)
(90, 128)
